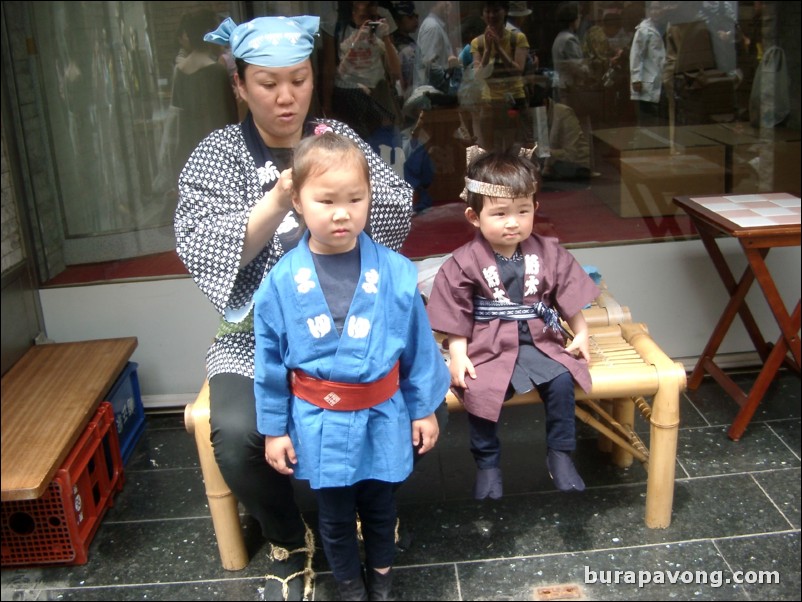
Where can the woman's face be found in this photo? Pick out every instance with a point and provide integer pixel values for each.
(279, 100)
(364, 11)
(494, 15)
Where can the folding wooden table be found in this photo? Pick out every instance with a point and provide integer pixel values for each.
(760, 222)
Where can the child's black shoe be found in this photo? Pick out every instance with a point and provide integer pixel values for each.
(380, 585)
(353, 589)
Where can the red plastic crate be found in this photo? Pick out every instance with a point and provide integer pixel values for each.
(58, 527)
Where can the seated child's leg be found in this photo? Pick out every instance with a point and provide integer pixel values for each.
(485, 444)
(486, 450)
(559, 403)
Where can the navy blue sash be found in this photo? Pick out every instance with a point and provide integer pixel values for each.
(485, 310)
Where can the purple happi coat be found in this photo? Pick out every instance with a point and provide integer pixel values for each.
(552, 275)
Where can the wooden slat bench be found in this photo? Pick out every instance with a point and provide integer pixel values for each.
(49, 396)
(626, 367)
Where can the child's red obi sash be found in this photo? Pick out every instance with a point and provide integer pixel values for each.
(344, 397)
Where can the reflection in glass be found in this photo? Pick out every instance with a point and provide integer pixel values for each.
(102, 95)
(116, 127)
(113, 114)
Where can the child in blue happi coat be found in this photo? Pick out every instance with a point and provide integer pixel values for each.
(347, 374)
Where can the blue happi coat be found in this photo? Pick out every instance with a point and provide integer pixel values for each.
(386, 323)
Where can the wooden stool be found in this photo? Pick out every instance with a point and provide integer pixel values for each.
(222, 503)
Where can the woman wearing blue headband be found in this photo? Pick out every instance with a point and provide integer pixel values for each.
(233, 222)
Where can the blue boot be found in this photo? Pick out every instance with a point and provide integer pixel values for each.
(488, 484)
(563, 472)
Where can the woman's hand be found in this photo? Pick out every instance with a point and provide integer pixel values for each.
(491, 38)
(383, 30)
(266, 216)
(283, 189)
(370, 31)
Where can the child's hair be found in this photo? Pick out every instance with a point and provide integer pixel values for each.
(515, 172)
(323, 152)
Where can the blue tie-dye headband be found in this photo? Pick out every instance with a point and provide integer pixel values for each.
(268, 41)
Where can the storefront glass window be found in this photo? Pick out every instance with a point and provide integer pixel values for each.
(702, 105)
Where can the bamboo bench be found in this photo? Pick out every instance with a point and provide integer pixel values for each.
(626, 367)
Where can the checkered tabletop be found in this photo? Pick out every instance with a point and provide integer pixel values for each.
(754, 210)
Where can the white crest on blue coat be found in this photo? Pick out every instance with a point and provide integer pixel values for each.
(371, 280)
(358, 328)
(304, 279)
(319, 326)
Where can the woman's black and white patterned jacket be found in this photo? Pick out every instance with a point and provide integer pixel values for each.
(217, 189)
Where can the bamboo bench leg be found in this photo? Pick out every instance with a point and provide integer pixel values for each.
(624, 414)
(662, 459)
(604, 444)
(222, 503)
(664, 432)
